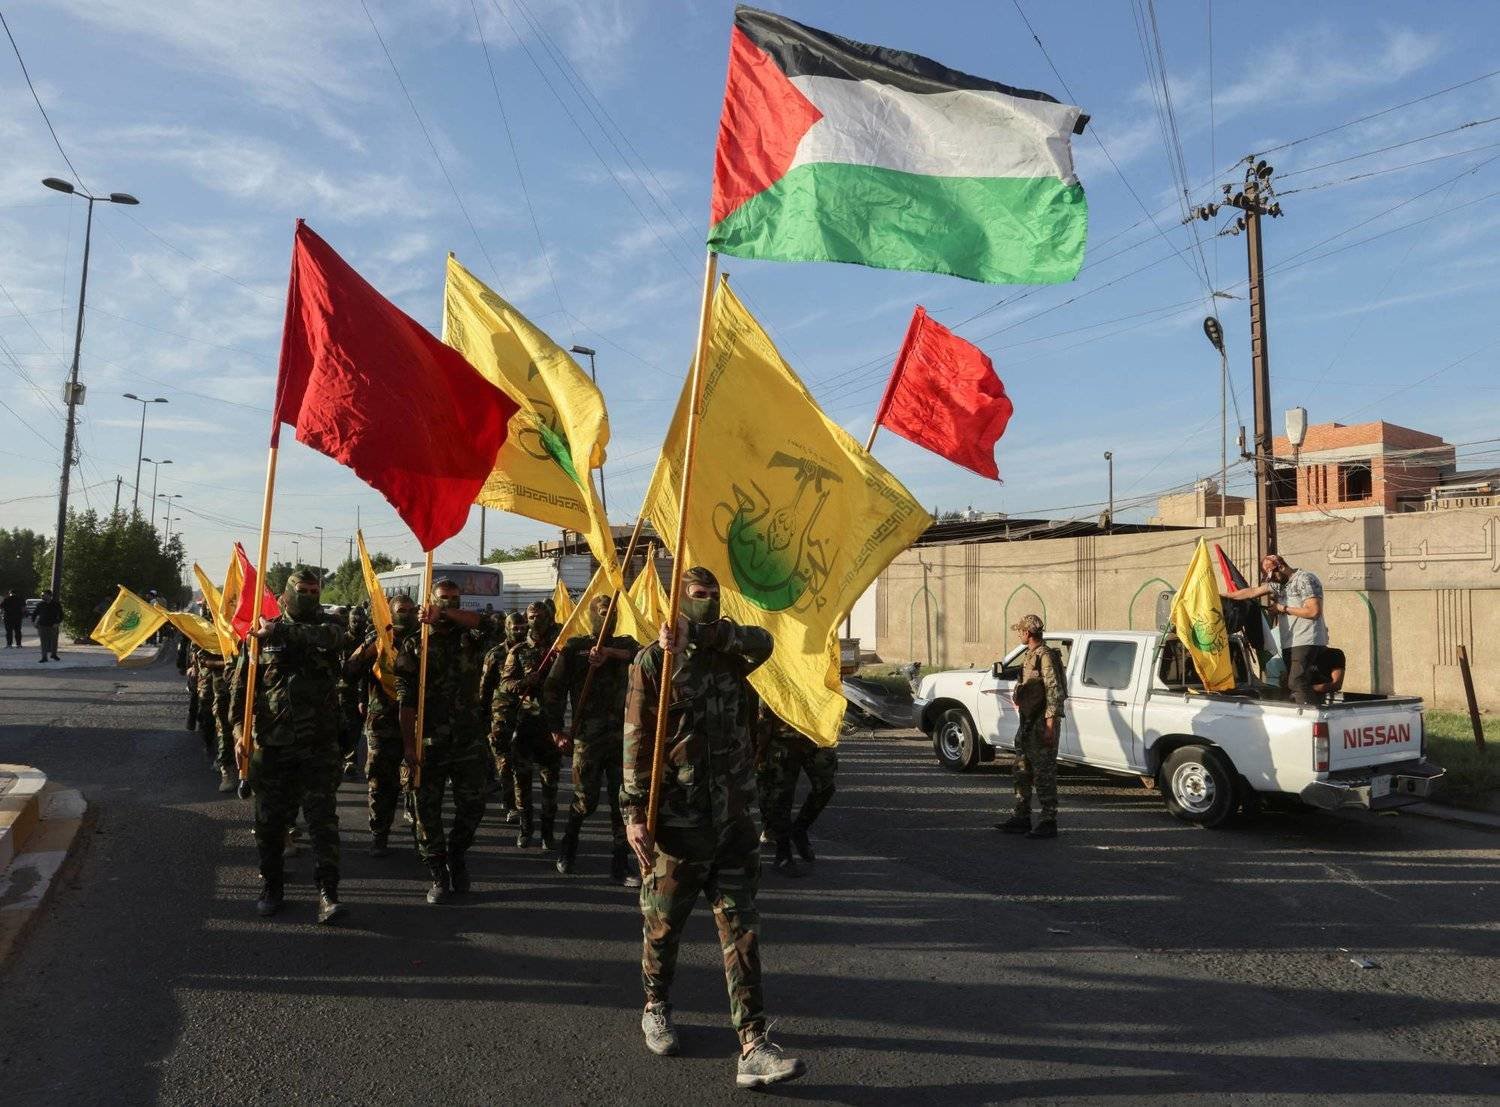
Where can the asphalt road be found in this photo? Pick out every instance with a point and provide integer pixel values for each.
(926, 958)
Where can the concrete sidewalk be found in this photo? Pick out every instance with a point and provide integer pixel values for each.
(89, 656)
(39, 823)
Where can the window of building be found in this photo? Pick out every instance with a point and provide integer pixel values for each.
(1355, 481)
(1283, 486)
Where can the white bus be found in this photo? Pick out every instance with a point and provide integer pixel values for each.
(481, 587)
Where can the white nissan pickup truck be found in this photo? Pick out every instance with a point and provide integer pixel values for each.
(1135, 707)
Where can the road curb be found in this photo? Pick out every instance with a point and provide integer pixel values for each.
(20, 808)
(26, 881)
(1455, 815)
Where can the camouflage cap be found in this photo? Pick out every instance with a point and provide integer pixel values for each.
(1029, 624)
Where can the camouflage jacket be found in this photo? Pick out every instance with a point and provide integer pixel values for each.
(491, 693)
(1041, 689)
(453, 717)
(297, 677)
(382, 712)
(604, 712)
(771, 733)
(708, 776)
(521, 683)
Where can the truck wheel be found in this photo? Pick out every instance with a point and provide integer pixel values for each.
(954, 741)
(1199, 786)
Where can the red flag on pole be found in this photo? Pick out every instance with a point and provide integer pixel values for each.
(944, 396)
(244, 612)
(364, 383)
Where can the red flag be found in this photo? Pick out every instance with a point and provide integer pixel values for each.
(1234, 580)
(244, 612)
(366, 384)
(944, 396)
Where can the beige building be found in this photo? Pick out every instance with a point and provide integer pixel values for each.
(1203, 507)
(1402, 591)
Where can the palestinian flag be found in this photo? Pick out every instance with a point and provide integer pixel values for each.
(833, 150)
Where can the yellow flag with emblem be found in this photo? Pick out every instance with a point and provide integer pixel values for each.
(562, 599)
(581, 621)
(1198, 618)
(213, 603)
(792, 515)
(545, 469)
(380, 616)
(196, 629)
(649, 598)
(129, 621)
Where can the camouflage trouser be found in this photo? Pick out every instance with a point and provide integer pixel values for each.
(595, 765)
(465, 769)
(284, 780)
(1036, 765)
(776, 783)
(383, 779)
(533, 752)
(502, 733)
(224, 725)
(207, 723)
(351, 728)
(668, 894)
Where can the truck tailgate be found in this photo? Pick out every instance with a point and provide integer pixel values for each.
(1360, 735)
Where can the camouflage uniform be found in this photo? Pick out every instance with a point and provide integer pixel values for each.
(203, 692)
(502, 708)
(784, 755)
(453, 743)
(296, 760)
(216, 705)
(382, 730)
(706, 839)
(352, 691)
(1039, 695)
(531, 749)
(597, 733)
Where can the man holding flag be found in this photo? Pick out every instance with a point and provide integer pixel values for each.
(382, 723)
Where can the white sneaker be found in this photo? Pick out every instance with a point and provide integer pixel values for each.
(661, 1035)
(767, 1064)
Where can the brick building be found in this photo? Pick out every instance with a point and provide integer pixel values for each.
(1365, 469)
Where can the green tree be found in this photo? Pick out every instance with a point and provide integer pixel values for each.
(514, 553)
(346, 585)
(19, 560)
(102, 552)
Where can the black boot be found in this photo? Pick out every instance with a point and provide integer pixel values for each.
(802, 845)
(621, 870)
(458, 873)
(270, 898)
(523, 830)
(569, 852)
(442, 884)
(547, 840)
(785, 863)
(329, 907)
(1019, 823)
(1045, 828)
(380, 845)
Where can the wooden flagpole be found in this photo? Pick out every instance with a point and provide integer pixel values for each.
(614, 600)
(890, 386)
(416, 769)
(679, 549)
(245, 748)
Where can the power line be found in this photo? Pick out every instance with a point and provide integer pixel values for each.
(45, 118)
(432, 145)
(1388, 169)
(1392, 146)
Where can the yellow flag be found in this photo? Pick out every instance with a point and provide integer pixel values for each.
(556, 440)
(213, 603)
(788, 511)
(562, 600)
(195, 628)
(649, 598)
(129, 621)
(580, 621)
(380, 615)
(1198, 616)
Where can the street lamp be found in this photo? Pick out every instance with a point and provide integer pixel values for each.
(135, 503)
(155, 469)
(296, 554)
(1215, 335)
(74, 389)
(167, 506)
(588, 352)
(320, 555)
(1109, 517)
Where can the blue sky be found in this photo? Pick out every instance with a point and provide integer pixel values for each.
(231, 120)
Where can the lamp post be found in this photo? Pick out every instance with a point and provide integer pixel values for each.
(320, 555)
(74, 389)
(167, 507)
(1109, 525)
(296, 554)
(589, 353)
(135, 503)
(155, 470)
(1215, 334)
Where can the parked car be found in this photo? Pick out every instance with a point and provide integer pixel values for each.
(1136, 707)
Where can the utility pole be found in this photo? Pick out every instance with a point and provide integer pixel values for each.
(927, 609)
(1256, 198)
(1215, 335)
(481, 533)
(590, 353)
(1109, 518)
(119, 480)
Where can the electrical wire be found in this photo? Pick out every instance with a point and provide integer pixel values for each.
(1388, 169)
(1392, 146)
(45, 118)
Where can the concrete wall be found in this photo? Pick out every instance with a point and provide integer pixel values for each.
(1402, 592)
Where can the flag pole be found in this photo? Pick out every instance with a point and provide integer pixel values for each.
(679, 548)
(614, 599)
(245, 748)
(416, 769)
